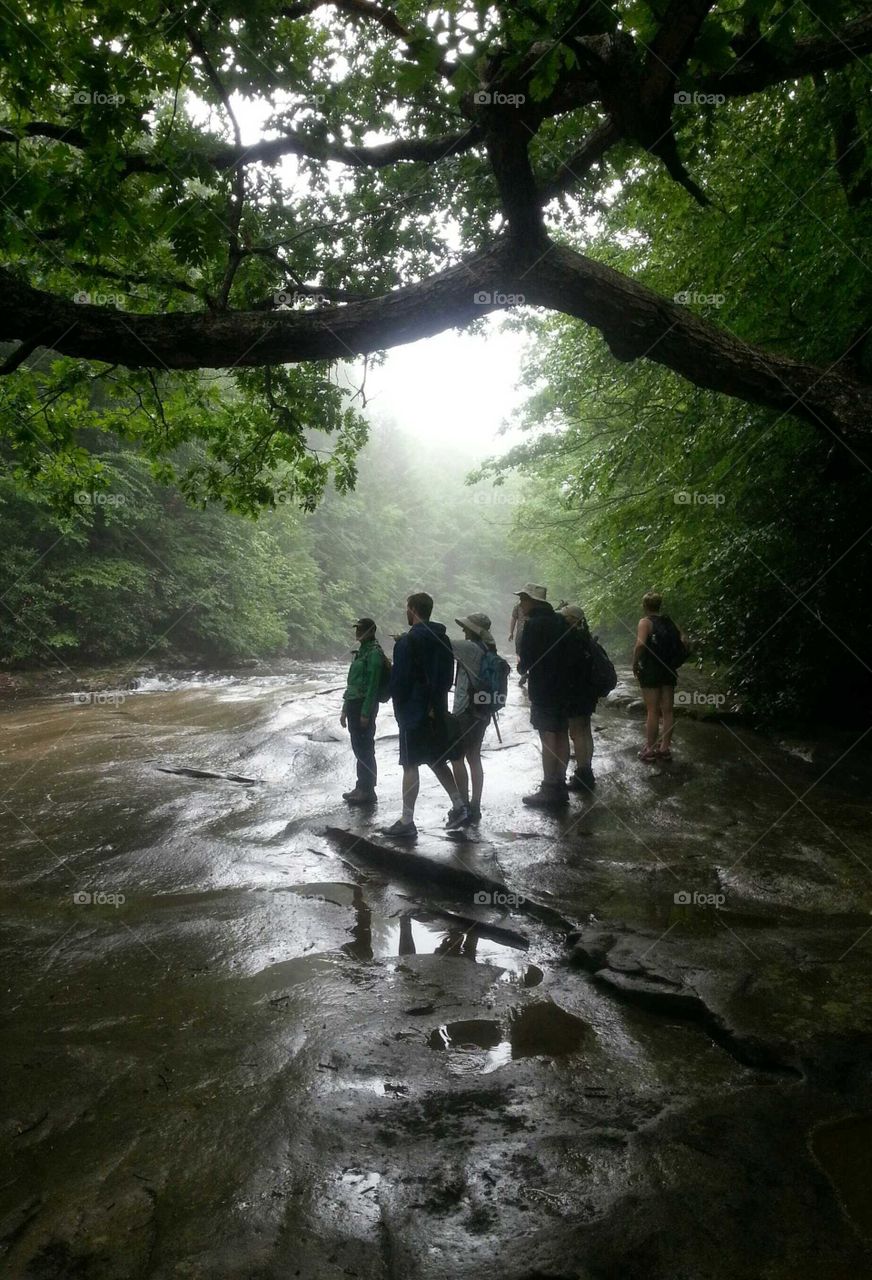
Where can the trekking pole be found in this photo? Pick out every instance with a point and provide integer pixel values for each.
(497, 727)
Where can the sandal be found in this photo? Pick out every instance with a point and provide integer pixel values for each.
(663, 753)
(648, 755)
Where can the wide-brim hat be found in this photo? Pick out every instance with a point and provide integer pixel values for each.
(479, 625)
(533, 591)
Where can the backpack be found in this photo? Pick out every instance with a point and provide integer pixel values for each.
(603, 676)
(491, 684)
(666, 643)
(384, 682)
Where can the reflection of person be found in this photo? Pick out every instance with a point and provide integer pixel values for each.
(542, 657)
(472, 719)
(360, 708)
(421, 676)
(361, 930)
(660, 649)
(516, 630)
(581, 702)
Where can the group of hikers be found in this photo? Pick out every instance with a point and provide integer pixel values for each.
(563, 666)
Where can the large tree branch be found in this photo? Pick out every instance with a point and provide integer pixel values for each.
(636, 322)
(765, 65)
(226, 155)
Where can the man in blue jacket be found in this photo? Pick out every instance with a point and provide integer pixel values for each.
(421, 676)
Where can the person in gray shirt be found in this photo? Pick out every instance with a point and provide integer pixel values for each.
(473, 720)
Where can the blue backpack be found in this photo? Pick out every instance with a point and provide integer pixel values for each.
(491, 683)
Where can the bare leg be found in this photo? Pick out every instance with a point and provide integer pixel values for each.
(582, 741)
(555, 754)
(411, 785)
(446, 777)
(476, 773)
(667, 702)
(652, 721)
(461, 779)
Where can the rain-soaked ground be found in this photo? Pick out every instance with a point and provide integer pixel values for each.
(629, 1041)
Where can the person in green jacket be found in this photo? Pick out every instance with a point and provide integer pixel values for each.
(360, 708)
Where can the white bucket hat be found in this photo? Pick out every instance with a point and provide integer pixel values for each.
(534, 592)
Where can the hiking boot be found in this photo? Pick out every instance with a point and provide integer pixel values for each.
(548, 795)
(359, 796)
(582, 779)
(404, 830)
(458, 816)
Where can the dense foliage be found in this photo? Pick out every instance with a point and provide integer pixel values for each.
(756, 526)
(135, 572)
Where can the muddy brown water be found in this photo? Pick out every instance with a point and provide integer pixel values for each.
(234, 1049)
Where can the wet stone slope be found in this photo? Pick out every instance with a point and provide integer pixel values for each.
(246, 1036)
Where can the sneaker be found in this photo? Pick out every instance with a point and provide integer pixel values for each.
(400, 828)
(582, 779)
(359, 796)
(548, 795)
(458, 816)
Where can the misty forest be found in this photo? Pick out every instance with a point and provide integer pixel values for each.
(545, 989)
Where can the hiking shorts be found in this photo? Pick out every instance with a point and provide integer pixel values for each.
(432, 742)
(549, 719)
(471, 728)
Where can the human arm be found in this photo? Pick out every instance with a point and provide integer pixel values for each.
(643, 635)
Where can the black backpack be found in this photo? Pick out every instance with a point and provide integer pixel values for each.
(603, 676)
(666, 642)
(384, 681)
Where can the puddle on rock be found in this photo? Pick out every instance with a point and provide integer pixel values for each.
(376, 936)
(539, 1030)
(844, 1151)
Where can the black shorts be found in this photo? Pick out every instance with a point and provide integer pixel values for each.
(548, 719)
(434, 741)
(471, 728)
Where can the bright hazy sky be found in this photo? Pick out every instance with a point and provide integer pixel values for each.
(458, 387)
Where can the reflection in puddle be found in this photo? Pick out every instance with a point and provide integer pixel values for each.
(539, 1030)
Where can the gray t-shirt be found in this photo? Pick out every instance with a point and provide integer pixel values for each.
(468, 655)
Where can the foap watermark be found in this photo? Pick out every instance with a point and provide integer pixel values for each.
(485, 298)
(495, 498)
(693, 698)
(692, 498)
(484, 898)
(84, 499)
(86, 298)
(84, 898)
(693, 898)
(90, 98)
(106, 698)
(484, 98)
(692, 98)
(292, 298)
(696, 298)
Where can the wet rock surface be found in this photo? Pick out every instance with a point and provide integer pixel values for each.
(247, 1035)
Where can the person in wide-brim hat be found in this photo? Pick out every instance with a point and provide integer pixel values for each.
(471, 721)
(532, 591)
(479, 625)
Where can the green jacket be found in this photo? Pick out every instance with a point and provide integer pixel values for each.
(364, 677)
